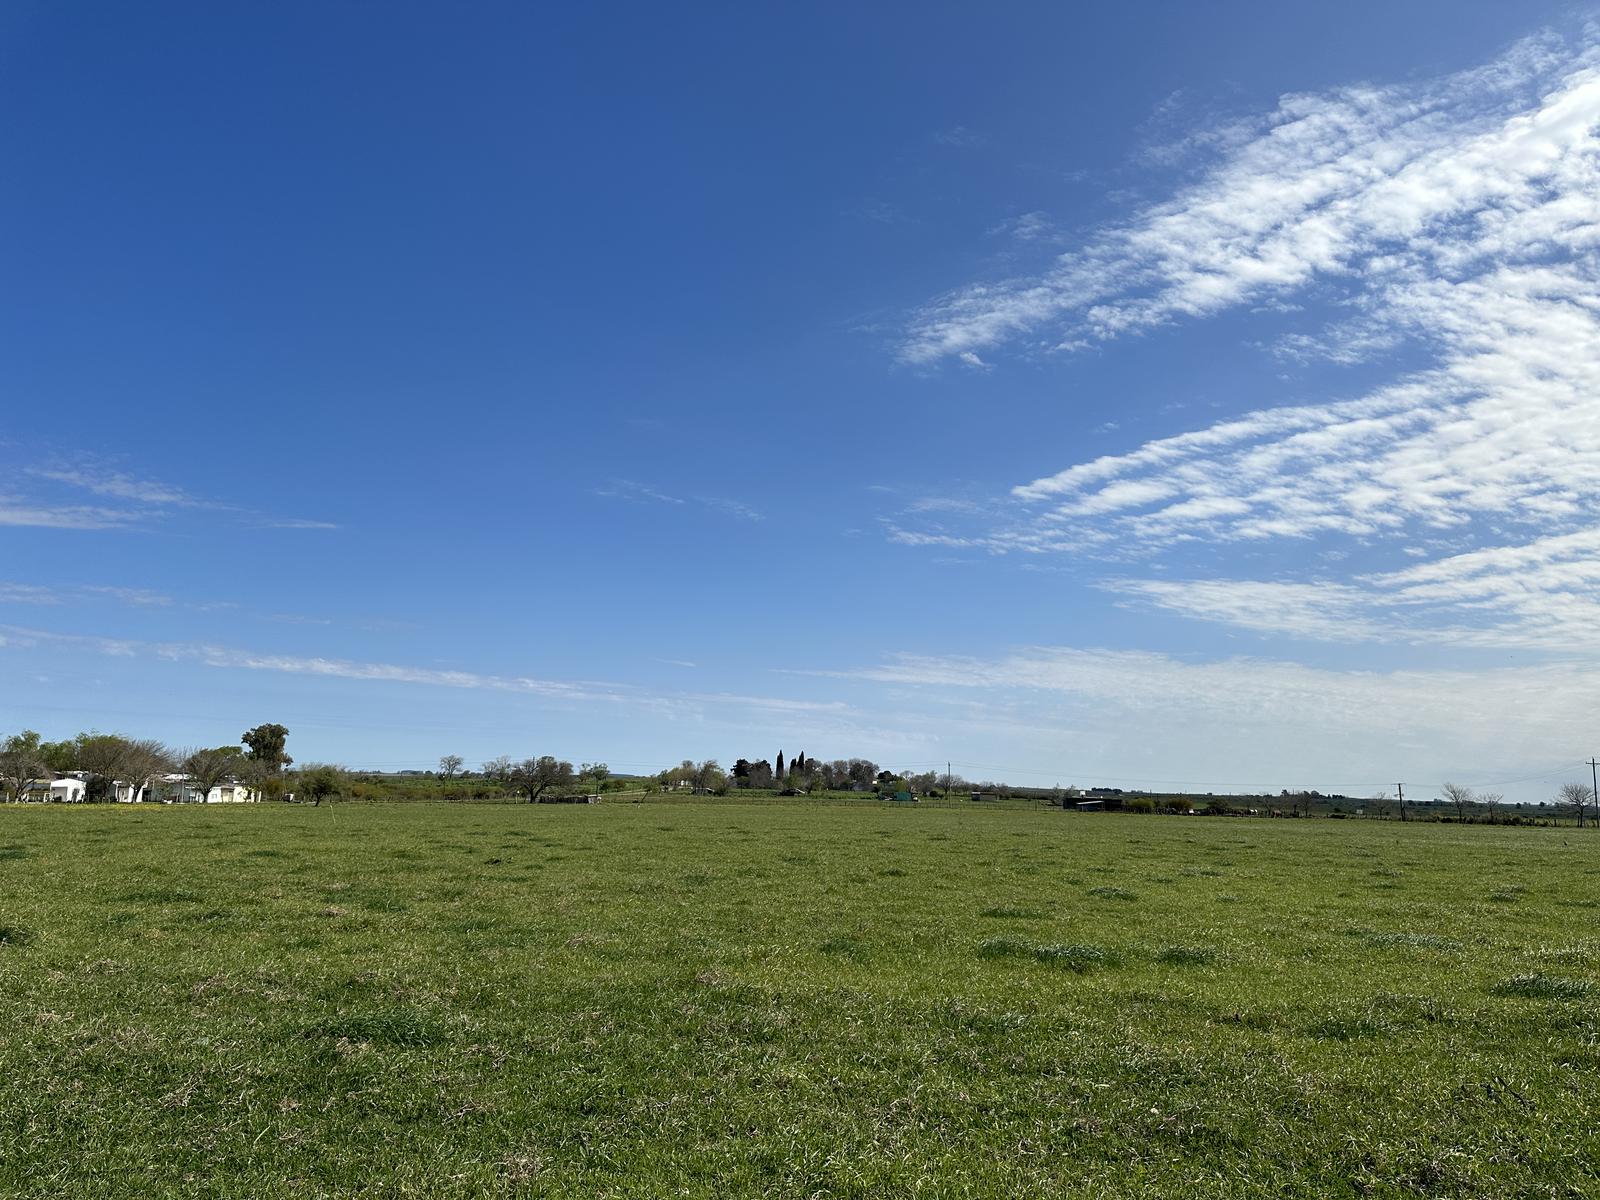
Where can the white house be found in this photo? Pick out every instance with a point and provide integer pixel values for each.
(176, 789)
(62, 789)
(232, 792)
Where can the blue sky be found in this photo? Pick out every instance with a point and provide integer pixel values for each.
(1170, 393)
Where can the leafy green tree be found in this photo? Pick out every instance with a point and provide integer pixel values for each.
(320, 781)
(266, 744)
(778, 771)
(60, 757)
(861, 772)
(103, 758)
(22, 764)
(267, 758)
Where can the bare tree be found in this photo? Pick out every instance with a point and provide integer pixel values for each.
(1492, 803)
(709, 776)
(103, 758)
(146, 761)
(536, 775)
(1461, 797)
(1574, 798)
(498, 772)
(450, 766)
(207, 769)
(22, 765)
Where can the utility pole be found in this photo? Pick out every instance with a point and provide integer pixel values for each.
(1594, 792)
(1401, 788)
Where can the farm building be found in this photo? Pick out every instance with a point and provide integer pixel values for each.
(63, 789)
(176, 789)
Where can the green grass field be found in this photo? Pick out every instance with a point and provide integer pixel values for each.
(663, 1000)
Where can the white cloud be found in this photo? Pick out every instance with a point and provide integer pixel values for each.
(145, 500)
(640, 493)
(732, 508)
(15, 511)
(1539, 595)
(1322, 611)
(27, 593)
(1029, 227)
(1333, 184)
(140, 597)
(1459, 217)
(1240, 719)
(96, 478)
(828, 719)
(296, 523)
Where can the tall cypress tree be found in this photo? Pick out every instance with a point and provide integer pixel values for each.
(778, 771)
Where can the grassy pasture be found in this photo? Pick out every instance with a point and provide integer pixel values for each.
(724, 1000)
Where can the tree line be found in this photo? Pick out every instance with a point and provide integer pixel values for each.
(107, 761)
(802, 773)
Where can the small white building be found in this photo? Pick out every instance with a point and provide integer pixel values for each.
(177, 789)
(232, 792)
(60, 789)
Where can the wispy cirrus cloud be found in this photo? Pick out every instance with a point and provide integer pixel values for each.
(208, 654)
(1538, 595)
(1457, 217)
(19, 512)
(54, 499)
(28, 593)
(296, 523)
(94, 477)
(139, 597)
(640, 493)
(1340, 184)
(1504, 425)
